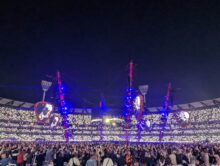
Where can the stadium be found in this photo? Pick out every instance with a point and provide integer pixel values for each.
(45, 133)
(169, 129)
(98, 83)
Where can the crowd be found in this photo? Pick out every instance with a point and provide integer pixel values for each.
(108, 154)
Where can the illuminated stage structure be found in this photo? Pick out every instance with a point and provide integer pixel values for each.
(105, 121)
(102, 109)
(64, 111)
(139, 106)
(139, 110)
(43, 109)
(165, 112)
(129, 103)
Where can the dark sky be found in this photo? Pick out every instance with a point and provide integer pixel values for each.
(91, 43)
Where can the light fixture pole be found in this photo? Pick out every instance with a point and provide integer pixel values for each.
(144, 89)
(45, 86)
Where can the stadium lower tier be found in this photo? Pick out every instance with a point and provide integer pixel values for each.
(21, 125)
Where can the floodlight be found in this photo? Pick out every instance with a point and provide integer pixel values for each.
(143, 89)
(45, 86)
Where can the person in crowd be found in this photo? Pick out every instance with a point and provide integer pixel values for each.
(40, 156)
(14, 152)
(28, 158)
(161, 161)
(107, 161)
(92, 161)
(20, 158)
(205, 156)
(217, 159)
(5, 160)
(172, 157)
(74, 161)
(49, 155)
(128, 159)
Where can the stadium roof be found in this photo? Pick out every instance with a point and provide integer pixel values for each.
(193, 105)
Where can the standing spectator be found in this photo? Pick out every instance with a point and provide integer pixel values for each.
(172, 157)
(40, 158)
(14, 152)
(20, 158)
(206, 157)
(5, 160)
(49, 155)
(161, 161)
(28, 158)
(74, 161)
(92, 161)
(60, 158)
(217, 158)
(107, 161)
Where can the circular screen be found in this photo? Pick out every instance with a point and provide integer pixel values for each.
(43, 110)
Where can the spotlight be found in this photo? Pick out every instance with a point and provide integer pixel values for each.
(107, 120)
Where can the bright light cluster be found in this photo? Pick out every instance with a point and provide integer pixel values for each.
(137, 103)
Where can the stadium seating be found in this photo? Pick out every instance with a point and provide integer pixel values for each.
(21, 125)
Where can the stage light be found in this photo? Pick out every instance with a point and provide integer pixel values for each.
(114, 124)
(107, 120)
(49, 107)
(137, 103)
(148, 123)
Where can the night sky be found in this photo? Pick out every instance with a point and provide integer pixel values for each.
(91, 43)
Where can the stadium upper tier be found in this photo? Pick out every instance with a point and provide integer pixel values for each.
(19, 123)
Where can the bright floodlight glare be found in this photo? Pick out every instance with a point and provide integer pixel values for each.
(107, 120)
(49, 107)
